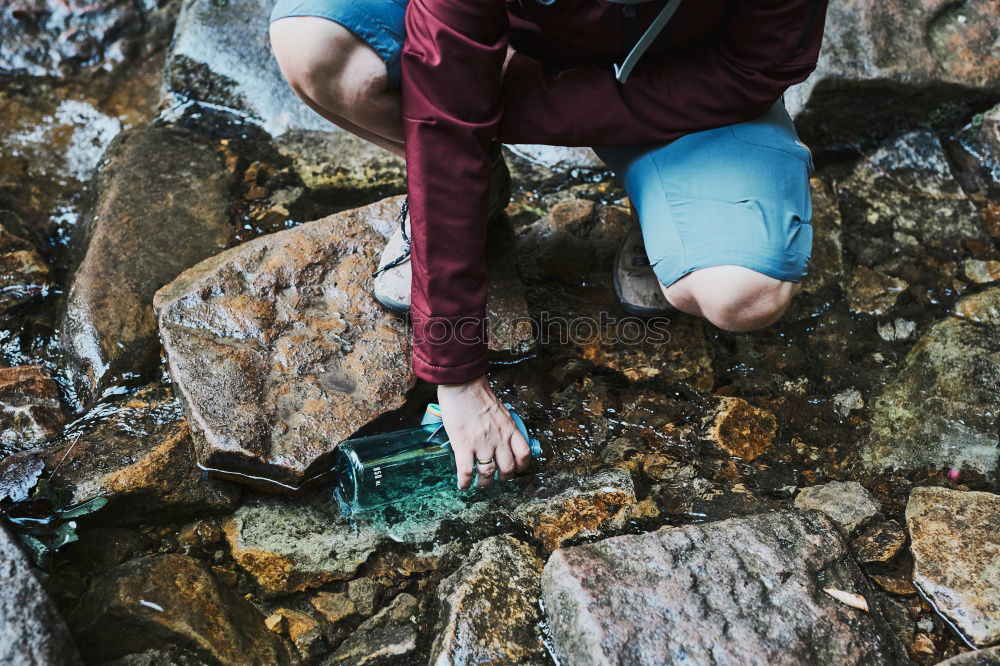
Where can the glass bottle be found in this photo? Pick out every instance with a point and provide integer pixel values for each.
(383, 469)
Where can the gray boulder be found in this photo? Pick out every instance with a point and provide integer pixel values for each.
(392, 633)
(937, 412)
(846, 503)
(737, 591)
(287, 546)
(489, 607)
(160, 206)
(956, 557)
(896, 59)
(32, 633)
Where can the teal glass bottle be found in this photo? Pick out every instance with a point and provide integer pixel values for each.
(384, 469)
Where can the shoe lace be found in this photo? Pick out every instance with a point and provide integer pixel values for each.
(406, 240)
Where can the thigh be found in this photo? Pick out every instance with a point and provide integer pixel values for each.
(734, 195)
(380, 23)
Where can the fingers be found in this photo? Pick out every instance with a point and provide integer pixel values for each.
(466, 469)
(520, 451)
(485, 472)
(505, 462)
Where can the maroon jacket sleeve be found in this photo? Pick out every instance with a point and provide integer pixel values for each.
(451, 104)
(764, 47)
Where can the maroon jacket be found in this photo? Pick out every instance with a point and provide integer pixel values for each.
(718, 62)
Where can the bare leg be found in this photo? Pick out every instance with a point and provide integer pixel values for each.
(340, 77)
(733, 298)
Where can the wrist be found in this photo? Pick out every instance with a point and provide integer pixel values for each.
(475, 384)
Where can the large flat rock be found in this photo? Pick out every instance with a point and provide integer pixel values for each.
(278, 351)
(937, 414)
(896, 58)
(956, 557)
(160, 207)
(32, 633)
(738, 591)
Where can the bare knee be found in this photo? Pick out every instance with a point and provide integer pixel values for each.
(325, 63)
(732, 297)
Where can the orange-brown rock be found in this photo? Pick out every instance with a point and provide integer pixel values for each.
(141, 458)
(589, 506)
(740, 429)
(167, 601)
(278, 350)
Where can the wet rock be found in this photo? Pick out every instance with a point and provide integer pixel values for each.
(956, 557)
(24, 274)
(848, 504)
(304, 632)
(879, 543)
(826, 264)
(698, 499)
(171, 601)
(873, 293)
(937, 412)
(895, 59)
(391, 633)
(333, 606)
(895, 584)
(287, 546)
(141, 458)
(579, 506)
(981, 272)
(986, 657)
(509, 331)
(221, 54)
(740, 429)
(161, 200)
(669, 595)
(848, 401)
(31, 629)
(365, 594)
(51, 38)
(558, 158)
(278, 350)
(575, 237)
(905, 197)
(677, 348)
(30, 411)
(171, 657)
(489, 607)
(898, 330)
(333, 160)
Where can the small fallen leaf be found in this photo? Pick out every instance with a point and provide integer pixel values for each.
(852, 600)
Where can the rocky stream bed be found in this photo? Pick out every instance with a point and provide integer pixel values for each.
(187, 331)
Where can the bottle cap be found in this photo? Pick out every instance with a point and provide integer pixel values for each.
(432, 414)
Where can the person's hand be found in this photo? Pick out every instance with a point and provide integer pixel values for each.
(480, 428)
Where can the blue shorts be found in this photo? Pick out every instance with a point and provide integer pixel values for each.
(734, 195)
